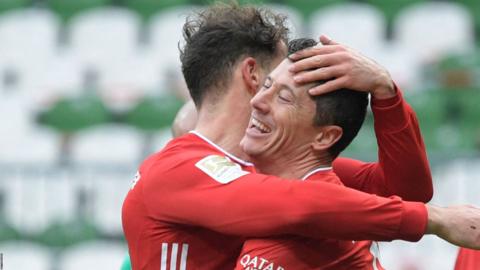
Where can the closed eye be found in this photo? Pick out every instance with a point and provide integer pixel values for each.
(285, 96)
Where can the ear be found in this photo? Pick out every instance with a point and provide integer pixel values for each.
(251, 74)
(326, 138)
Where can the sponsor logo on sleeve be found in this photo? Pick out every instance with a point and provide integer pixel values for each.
(220, 168)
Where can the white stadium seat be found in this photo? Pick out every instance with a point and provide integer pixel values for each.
(429, 253)
(165, 33)
(22, 140)
(165, 39)
(357, 25)
(430, 29)
(138, 76)
(93, 255)
(404, 67)
(109, 191)
(105, 36)
(28, 36)
(107, 144)
(25, 255)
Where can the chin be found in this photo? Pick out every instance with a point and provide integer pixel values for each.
(249, 148)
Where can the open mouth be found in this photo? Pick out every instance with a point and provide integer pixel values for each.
(260, 126)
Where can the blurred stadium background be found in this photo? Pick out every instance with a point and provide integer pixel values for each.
(88, 88)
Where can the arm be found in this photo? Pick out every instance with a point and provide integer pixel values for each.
(402, 167)
(256, 205)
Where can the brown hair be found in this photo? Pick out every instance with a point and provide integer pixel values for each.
(217, 37)
(343, 107)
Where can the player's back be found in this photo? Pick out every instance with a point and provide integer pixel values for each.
(159, 238)
(290, 252)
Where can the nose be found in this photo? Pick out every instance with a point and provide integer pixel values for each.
(260, 102)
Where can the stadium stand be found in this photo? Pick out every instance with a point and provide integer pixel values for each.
(88, 88)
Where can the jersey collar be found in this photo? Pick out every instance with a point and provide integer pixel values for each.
(314, 171)
(241, 161)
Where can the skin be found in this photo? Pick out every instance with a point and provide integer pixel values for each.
(286, 133)
(185, 119)
(233, 110)
(334, 60)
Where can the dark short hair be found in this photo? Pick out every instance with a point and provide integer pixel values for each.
(217, 37)
(345, 108)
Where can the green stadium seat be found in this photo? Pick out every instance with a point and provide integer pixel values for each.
(469, 124)
(473, 7)
(364, 146)
(72, 115)
(457, 71)
(61, 234)
(66, 9)
(448, 119)
(6, 5)
(147, 8)
(391, 7)
(7, 230)
(429, 106)
(66, 233)
(307, 7)
(154, 113)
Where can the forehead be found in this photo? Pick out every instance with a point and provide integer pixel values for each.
(282, 75)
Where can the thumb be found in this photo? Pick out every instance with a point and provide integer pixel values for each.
(325, 40)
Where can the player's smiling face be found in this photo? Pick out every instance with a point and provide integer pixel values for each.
(282, 117)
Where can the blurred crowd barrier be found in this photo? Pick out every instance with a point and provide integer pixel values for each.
(89, 88)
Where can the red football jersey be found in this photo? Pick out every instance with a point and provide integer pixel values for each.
(402, 168)
(468, 259)
(192, 203)
(291, 252)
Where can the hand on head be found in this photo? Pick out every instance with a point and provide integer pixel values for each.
(343, 67)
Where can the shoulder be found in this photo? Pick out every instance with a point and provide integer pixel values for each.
(325, 176)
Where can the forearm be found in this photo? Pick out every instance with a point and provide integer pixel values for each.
(402, 154)
(459, 225)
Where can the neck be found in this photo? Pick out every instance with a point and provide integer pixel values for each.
(224, 122)
(293, 165)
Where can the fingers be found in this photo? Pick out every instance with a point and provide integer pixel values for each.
(325, 40)
(328, 86)
(319, 74)
(316, 50)
(317, 61)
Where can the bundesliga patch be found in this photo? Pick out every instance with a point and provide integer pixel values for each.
(222, 169)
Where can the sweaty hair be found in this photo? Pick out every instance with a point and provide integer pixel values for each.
(217, 37)
(344, 107)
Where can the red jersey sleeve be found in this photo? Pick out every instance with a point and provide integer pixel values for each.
(255, 205)
(402, 168)
(468, 259)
